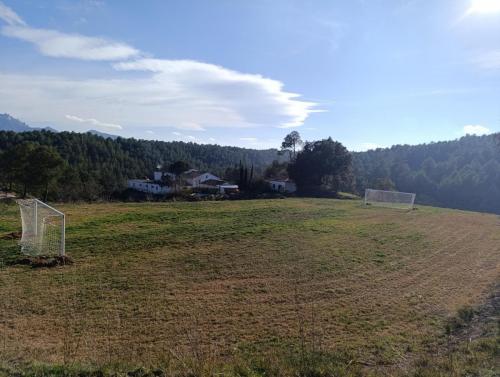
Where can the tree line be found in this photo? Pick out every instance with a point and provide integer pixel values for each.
(463, 173)
(91, 167)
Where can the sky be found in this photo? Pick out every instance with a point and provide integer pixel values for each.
(368, 73)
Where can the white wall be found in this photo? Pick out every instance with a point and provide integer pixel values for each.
(148, 187)
(283, 186)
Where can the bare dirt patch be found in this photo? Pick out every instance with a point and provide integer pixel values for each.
(43, 262)
(11, 236)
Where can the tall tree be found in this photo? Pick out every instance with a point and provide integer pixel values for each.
(290, 144)
(179, 167)
(321, 164)
(45, 165)
(35, 166)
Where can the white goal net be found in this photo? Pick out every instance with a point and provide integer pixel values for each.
(43, 229)
(394, 199)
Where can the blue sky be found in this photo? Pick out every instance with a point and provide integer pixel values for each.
(367, 73)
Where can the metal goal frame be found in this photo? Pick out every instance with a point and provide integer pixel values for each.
(410, 203)
(36, 204)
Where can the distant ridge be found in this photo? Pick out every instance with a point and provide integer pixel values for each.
(103, 134)
(9, 123)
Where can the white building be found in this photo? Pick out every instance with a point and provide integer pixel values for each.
(227, 188)
(188, 176)
(189, 179)
(206, 180)
(148, 186)
(282, 185)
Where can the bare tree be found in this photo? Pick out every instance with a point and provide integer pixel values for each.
(291, 143)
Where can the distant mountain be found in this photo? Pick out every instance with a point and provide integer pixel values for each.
(102, 134)
(9, 123)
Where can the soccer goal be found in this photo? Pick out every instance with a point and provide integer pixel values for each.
(393, 199)
(43, 229)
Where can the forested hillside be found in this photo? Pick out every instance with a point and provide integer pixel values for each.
(98, 166)
(463, 173)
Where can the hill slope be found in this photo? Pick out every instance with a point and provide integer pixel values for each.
(463, 173)
(257, 285)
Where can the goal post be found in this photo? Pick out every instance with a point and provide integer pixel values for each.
(43, 229)
(393, 199)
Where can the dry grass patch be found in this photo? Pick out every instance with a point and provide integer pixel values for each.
(165, 282)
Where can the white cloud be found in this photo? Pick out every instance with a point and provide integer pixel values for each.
(61, 45)
(177, 133)
(476, 129)
(9, 16)
(95, 122)
(226, 96)
(149, 132)
(249, 139)
(489, 60)
(211, 139)
(196, 96)
(184, 94)
(190, 137)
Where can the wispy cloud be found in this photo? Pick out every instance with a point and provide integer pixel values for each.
(61, 45)
(9, 16)
(95, 122)
(476, 129)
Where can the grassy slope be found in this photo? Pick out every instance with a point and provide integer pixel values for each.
(190, 285)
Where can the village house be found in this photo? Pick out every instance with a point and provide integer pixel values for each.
(282, 185)
(187, 180)
(206, 180)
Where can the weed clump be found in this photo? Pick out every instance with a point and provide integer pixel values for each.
(461, 320)
(11, 236)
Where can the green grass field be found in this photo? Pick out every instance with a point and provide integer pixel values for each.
(266, 287)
